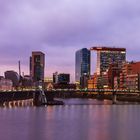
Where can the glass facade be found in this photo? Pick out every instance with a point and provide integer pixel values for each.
(82, 64)
(105, 58)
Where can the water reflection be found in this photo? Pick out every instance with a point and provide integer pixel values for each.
(89, 121)
(19, 103)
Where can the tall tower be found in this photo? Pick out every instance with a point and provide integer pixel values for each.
(82, 66)
(107, 56)
(37, 65)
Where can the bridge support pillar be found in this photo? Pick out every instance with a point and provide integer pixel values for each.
(39, 98)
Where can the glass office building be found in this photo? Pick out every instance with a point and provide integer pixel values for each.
(107, 56)
(82, 65)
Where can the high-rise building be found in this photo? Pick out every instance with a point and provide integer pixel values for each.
(37, 65)
(107, 56)
(82, 66)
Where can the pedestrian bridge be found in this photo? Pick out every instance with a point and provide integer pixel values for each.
(49, 95)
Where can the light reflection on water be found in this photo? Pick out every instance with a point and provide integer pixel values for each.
(19, 103)
(78, 119)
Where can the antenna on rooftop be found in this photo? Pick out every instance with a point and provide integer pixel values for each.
(19, 68)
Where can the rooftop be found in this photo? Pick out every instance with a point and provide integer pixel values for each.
(103, 48)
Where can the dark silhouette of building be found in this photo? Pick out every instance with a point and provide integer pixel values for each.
(1, 77)
(55, 77)
(63, 78)
(64, 86)
(13, 76)
(27, 81)
(62, 81)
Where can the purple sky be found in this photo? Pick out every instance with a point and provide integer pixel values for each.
(60, 27)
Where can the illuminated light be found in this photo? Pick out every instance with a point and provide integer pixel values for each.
(77, 82)
(123, 52)
(99, 48)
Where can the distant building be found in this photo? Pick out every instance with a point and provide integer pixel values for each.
(55, 77)
(1, 77)
(93, 81)
(48, 83)
(27, 81)
(133, 81)
(13, 76)
(82, 66)
(130, 76)
(113, 75)
(48, 79)
(6, 84)
(107, 56)
(37, 65)
(90, 83)
(63, 78)
(62, 81)
(30, 66)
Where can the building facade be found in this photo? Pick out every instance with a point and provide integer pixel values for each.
(133, 82)
(107, 56)
(130, 75)
(6, 84)
(114, 71)
(61, 78)
(82, 66)
(37, 66)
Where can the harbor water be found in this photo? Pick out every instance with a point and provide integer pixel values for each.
(78, 119)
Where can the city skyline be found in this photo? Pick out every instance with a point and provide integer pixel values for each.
(52, 26)
(69, 69)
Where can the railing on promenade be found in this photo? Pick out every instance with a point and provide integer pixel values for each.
(108, 91)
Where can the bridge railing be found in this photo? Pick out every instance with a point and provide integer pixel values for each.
(77, 90)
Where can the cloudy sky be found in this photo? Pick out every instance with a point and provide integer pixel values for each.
(60, 27)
